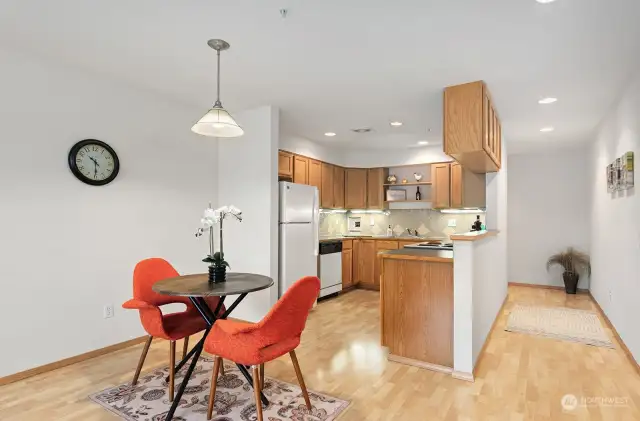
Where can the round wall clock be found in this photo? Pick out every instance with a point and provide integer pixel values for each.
(94, 162)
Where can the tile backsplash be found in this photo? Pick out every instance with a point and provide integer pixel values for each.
(428, 222)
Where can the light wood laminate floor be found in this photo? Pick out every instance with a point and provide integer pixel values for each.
(522, 377)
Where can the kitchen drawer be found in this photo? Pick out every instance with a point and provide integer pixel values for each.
(386, 245)
(347, 244)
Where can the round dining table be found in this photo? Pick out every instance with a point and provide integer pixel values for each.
(197, 287)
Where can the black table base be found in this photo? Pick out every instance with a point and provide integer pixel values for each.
(210, 318)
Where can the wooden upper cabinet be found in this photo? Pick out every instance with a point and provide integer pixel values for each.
(300, 170)
(326, 197)
(285, 164)
(315, 175)
(355, 196)
(472, 131)
(468, 189)
(375, 189)
(440, 187)
(338, 187)
(456, 185)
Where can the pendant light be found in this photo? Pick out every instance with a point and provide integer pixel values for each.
(217, 122)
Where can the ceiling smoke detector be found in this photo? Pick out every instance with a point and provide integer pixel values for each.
(362, 130)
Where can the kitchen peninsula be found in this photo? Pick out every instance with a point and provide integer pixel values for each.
(427, 304)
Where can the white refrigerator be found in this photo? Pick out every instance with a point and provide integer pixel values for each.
(298, 225)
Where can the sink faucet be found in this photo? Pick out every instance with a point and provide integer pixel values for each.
(414, 233)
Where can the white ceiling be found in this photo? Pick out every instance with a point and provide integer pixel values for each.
(333, 65)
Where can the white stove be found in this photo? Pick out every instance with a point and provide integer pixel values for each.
(427, 246)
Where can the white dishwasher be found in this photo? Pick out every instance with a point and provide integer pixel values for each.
(330, 272)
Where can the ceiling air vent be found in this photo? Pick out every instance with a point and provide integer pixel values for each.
(362, 130)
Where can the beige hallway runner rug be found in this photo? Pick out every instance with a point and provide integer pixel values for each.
(559, 323)
(148, 400)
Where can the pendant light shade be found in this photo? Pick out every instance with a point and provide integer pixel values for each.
(217, 122)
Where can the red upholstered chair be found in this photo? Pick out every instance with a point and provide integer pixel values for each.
(257, 343)
(172, 327)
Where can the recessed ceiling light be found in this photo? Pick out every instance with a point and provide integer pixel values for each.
(423, 142)
(548, 100)
(330, 134)
(546, 129)
(396, 123)
(545, 1)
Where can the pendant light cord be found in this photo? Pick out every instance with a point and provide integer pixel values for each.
(218, 103)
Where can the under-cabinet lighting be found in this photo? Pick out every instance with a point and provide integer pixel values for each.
(474, 210)
(369, 211)
(333, 210)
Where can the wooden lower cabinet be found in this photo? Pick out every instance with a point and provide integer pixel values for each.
(347, 268)
(381, 246)
(416, 303)
(366, 264)
(355, 272)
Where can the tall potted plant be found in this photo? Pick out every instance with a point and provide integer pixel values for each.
(574, 263)
(218, 266)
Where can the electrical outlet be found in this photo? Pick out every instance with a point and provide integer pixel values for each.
(452, 223)
(372, 220)
(610, 296)
(108, 311)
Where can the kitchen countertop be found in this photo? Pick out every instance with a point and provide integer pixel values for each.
(376, 237)
(474, 236)
(445, 256)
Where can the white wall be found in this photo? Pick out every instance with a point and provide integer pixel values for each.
(248, 179)
(549, 210)
(386, 158)
(306, 147)
(364, 158)
(491, 257)
(615, 221)
(69, 248)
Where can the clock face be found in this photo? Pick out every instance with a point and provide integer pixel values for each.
(94, 162)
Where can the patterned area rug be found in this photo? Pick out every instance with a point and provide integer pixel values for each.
(148, 400)
(560, 323)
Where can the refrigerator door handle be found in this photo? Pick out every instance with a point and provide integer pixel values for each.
(316, 224)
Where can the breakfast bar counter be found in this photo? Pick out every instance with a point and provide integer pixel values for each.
(416, 304)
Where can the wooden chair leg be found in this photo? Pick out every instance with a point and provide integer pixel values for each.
(221, 366)
(214, 383)
(256, 391)
(185, 347)
(296, 367)
(261, 376)
(142, 358)
(172, 368)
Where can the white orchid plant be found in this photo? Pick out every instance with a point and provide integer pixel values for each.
(211, 218)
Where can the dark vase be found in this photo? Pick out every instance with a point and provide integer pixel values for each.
(217, 274)
(570, 282)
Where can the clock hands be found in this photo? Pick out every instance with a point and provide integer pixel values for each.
(95, 167)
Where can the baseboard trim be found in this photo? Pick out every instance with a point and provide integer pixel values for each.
(368, 287)
(420, 364)
(461, 375)
(486, 340)
(520, 284)
(12, 378)
(626, 350)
